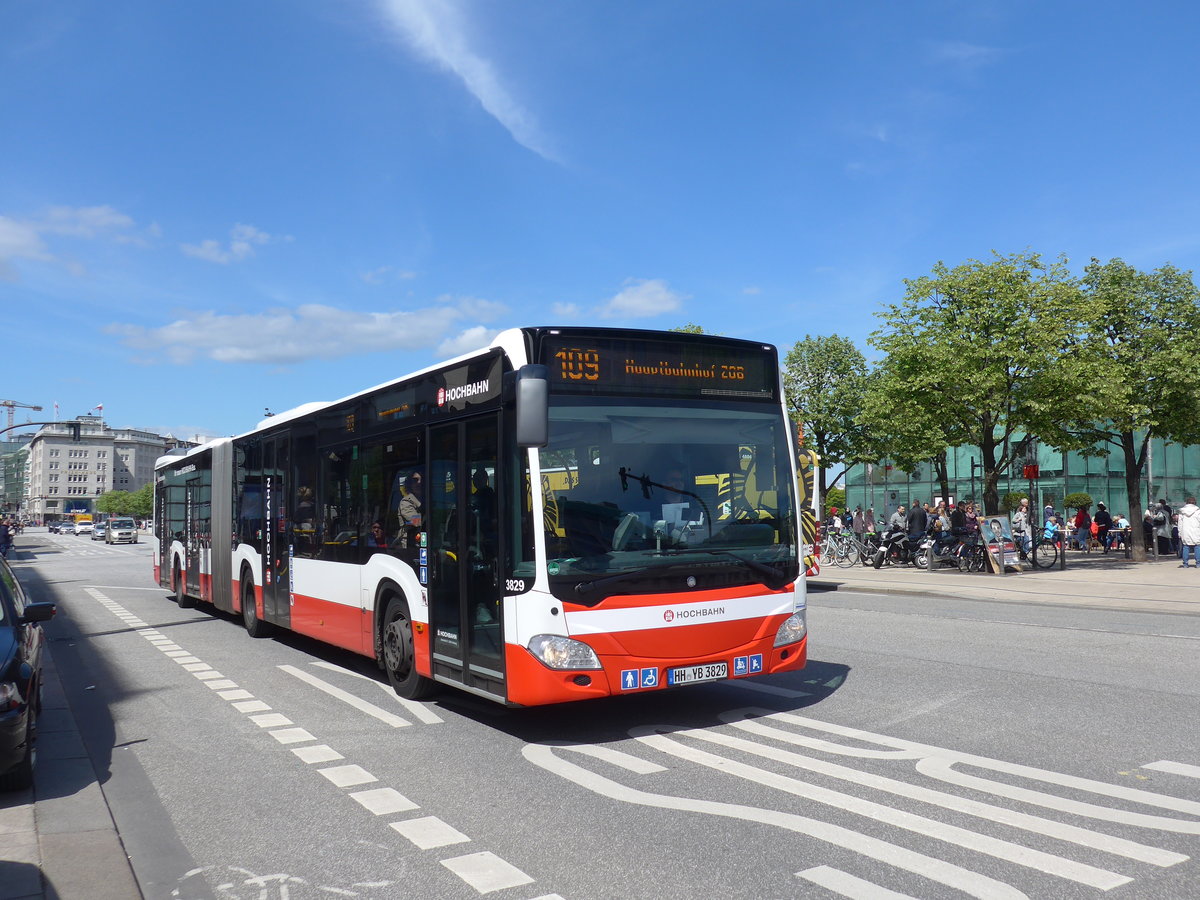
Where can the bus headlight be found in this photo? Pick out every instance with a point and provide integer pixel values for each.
(558, 652)
(792, 630)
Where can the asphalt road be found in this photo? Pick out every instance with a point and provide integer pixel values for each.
(933, 748)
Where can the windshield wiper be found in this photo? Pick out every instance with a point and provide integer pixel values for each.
(586, 587)
(768, 576)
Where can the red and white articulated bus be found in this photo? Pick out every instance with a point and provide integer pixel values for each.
(570, 513)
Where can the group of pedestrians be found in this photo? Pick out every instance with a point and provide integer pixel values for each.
(1177, 532)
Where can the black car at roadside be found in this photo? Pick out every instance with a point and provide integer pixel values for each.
(22, 643)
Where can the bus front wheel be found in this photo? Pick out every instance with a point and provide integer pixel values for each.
(398, 657)
(255, 627)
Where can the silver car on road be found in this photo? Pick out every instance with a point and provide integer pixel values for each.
(121, 531)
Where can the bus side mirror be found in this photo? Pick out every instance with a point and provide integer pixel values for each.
(533, 406)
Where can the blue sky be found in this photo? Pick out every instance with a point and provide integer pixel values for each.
(207, 209)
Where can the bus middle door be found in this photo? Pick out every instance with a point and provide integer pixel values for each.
(276, 544)
(464, 564)
(192, 534)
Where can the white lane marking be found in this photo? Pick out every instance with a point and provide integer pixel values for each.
(767, 689)
(271, 720)
(220, 684)
(479, 870)
(348, 776)
(291, 735)
(317, 754)
(951, 834)
(250, 706)
(944, 769)
(384, 801)
(486, 872)
(388, 718)
(1174, 768)
(620, 758)
(1082, 836)
(938, 762)
(849, 885)
(971, 883)
(418, 710)
(429, 832)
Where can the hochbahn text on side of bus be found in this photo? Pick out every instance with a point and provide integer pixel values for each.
(570, 513)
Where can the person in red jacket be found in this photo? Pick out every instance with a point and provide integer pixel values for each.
(1083, 528)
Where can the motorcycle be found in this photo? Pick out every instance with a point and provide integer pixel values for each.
(894, 547)
(944, 548)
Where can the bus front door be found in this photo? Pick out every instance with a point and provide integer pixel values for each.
(464, 564)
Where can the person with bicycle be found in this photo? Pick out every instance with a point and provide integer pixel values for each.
(1020, 527)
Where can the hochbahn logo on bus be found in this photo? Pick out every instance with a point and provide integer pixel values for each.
(462, 392)
(693, 612)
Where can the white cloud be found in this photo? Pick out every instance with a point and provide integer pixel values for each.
(242, 241)
(436, 30)
(25, 239)
(311, 331)
(387, 273)
(19, 240)
(642, 298)
(565, 310)
(465, 341)
(84, 221)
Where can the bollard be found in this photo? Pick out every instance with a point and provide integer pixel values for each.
(1062, 556)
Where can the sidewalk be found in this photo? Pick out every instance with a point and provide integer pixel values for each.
(1096, 580)
(58, 840)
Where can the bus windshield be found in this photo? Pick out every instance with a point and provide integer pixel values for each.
(659, 497)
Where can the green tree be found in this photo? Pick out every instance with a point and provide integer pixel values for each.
(1140, 343)
(141, 502)
(973, 355)
(115, 503)
(824, 378)
(836, 499)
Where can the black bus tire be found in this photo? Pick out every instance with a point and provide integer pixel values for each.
(399, 659)
(255, 627)
(182, 600)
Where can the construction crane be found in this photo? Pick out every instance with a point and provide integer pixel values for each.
(12, 405)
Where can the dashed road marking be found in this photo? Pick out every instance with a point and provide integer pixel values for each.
(485, 871)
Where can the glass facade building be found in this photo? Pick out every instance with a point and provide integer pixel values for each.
(1173, 473)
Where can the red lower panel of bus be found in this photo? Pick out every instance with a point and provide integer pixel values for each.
(532, 684)
(335, 623)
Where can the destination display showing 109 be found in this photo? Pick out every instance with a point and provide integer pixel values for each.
(588, 365)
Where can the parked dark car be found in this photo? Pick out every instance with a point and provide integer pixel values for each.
(22, 643)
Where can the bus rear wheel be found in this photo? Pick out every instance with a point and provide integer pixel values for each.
(255, 627)
(398, 658)
(182, 600)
